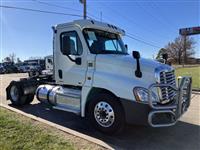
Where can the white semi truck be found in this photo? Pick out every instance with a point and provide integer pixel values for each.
(95, 77)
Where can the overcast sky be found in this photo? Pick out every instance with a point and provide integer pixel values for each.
(153, 22)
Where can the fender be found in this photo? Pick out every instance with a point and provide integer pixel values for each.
(120, 86)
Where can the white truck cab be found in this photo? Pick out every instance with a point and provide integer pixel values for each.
(48, 65)
(48, 62)
(95, 77)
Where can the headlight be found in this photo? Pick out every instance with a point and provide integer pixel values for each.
(141, 95)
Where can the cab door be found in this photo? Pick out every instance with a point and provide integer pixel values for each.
(70, 57)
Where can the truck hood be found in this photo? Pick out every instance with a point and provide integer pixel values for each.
(125, 65)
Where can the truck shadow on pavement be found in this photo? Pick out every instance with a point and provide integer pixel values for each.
(181, 136)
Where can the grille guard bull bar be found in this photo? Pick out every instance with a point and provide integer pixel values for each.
(175, 110)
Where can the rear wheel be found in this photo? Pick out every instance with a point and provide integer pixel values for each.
(16, 96)
(106, 113)
(29, 98)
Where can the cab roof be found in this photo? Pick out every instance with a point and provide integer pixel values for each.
(92, 24)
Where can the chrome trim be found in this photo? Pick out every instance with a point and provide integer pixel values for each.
(178, 108)
(150, 95)
(104, 114)
(58, 95)
(152, 113)
(160, 69)
(168, 76)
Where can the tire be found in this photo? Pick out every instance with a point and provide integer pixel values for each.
(16, 94)
(33, 73)
(29, 98)
(106, 113)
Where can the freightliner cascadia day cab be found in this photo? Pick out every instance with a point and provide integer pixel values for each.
(95, 77)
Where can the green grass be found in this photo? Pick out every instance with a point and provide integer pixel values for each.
(192, 71)
(18, 133)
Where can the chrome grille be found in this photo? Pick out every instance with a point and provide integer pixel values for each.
(167, 93)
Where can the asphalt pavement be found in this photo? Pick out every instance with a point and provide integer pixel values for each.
(185, 135)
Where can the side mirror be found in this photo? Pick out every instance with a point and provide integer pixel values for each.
(165, 56)
(136, 54)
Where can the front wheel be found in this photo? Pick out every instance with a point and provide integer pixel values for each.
(106, 113)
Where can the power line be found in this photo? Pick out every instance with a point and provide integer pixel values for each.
(154, 4)
(152, 15)
(130, 35)
(58, 13)
(137, 38)
(40, 11)
(58, 6)
(63, 7)
(132, 21)
(142, 41)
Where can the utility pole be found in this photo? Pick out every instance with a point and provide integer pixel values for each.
(185, 49)
(187, 32)
(84, 10)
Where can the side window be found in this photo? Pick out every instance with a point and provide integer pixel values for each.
(50, 61)
(112, 45)
(70, 41)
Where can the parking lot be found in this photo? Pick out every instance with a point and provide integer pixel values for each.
(184, 135)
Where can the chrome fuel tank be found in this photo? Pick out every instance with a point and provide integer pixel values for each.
(58, 95)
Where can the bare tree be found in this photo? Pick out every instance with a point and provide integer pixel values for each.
(12, 57)
(175, 49)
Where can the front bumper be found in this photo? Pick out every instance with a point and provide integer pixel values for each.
(160, 115)
(173, 111)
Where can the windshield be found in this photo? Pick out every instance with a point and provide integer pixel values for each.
(103, 42)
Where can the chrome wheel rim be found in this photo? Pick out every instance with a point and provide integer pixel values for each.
(104, 114)
(14, 93)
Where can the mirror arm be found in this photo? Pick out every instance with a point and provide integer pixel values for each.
(71, 58)
(76, 60)
(138, 72)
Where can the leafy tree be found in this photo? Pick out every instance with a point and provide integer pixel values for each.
(175, 49)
